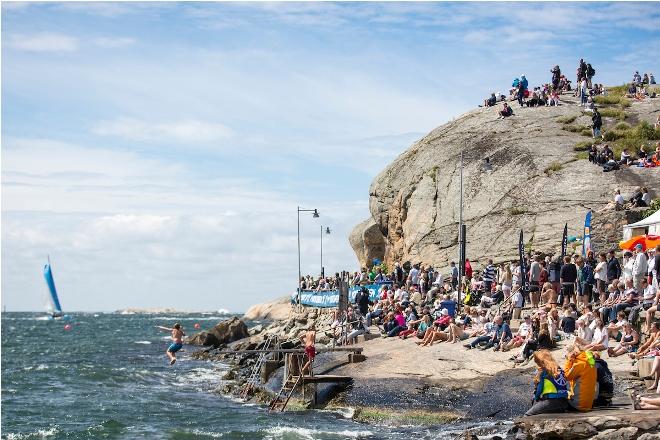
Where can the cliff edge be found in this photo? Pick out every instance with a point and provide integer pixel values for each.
(537, 180)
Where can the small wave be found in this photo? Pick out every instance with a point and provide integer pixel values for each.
(306, 433)
(41, 433)
(346, 413)
(142, 342)
(40, 367)
(224, 312)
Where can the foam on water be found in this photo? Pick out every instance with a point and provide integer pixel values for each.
(142, 342)
(39, 434)
(280, 432)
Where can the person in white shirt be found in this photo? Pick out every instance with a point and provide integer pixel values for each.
(584, 332)
(640, 267)
(599, 341)
(646, 197)
(618, 198)
(522, 335)
(626, 270)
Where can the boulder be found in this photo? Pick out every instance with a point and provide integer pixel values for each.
(223, 333)
(534, 181)
(277, 309)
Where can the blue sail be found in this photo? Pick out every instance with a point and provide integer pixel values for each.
(48, 275)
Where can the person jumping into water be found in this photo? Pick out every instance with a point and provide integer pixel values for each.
(177, 337)
(309, 339)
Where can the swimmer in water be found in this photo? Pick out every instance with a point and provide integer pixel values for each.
(177, 337)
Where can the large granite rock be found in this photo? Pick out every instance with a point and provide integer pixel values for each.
(223, 333)
(277, 309)
(536, 184)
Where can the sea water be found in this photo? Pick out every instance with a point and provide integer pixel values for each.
(108, 377)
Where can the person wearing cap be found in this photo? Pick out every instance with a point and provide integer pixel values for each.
(640, 267)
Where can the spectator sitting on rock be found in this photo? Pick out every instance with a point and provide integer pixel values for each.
(637, 79)
(490, 101)
(618, 199)
(628, 343)
(651, 78)
(506, 111)
(551, 386)
(632, 91)
(645, 79)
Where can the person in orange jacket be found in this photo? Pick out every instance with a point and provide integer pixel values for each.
(580, 368)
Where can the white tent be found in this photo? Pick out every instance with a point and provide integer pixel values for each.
(649, 225)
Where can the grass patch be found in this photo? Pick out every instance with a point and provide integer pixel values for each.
(619, 91)
(607, 100)
(643, 131)
(552, 168)
(566, 119)
(582, 155)
(398, 417)
(622, 126)
(573, 128)
(517, 211)
(586, 132)
(583, 146)
(612, 135)
(613, 113)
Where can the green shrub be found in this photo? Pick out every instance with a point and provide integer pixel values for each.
(624, 103)
(655, 205)
(621, 126)
(612, 135)
(552, 168)
(582, 146)
(586, 132)
(566, 119)
(582, 155)
(613, 113)
(618, 90)
(642, 131)
(607, 100)
(573, 128)
(517, 211)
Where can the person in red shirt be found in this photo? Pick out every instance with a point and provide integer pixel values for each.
(468, 269)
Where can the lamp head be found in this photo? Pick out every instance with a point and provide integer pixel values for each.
(316, 214)
(327, 230)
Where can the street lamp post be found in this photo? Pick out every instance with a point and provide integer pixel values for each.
(315, 215)
(461, 238)
(327, 231)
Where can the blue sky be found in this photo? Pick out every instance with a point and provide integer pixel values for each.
(158, 151)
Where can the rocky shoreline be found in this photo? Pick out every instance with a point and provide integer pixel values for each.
(400, 384)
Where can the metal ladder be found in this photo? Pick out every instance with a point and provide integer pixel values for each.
(254, 378)
(280, 402)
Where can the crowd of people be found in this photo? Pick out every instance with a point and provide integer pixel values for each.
(592, 303)
(604, 157)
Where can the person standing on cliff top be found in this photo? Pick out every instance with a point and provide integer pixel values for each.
(309, 340)
(177, 338)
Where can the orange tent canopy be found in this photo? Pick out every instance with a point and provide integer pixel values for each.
(647, 241)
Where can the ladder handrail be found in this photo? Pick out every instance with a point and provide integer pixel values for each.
(256, 369)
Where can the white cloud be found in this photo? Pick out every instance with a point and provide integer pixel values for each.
(44, 42)
(190, 130)
(113, 42)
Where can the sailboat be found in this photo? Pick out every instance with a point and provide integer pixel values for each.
(54, 307)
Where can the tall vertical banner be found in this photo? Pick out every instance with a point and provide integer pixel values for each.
(564, 241)
(586, 240)
(523, 265)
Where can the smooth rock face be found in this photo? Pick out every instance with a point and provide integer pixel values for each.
(223, 333)
(275, 310)
(414, 202)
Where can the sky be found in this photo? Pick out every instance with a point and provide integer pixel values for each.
(158, 151)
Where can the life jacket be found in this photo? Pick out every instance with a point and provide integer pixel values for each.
(551, 387)
(582, 376)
